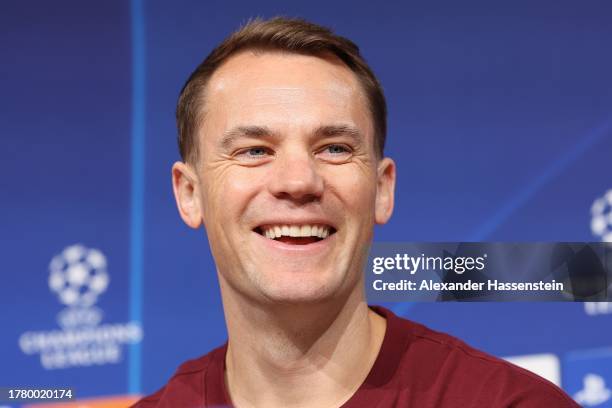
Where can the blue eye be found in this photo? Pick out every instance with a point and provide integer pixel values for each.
(256, 151)
(336, 149)
(336, 153)
(253, 156)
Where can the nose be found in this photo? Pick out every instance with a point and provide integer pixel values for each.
(296, 177)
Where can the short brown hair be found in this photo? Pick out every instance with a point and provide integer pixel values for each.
(278, 34)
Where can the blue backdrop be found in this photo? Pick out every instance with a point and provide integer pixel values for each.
(500, 121)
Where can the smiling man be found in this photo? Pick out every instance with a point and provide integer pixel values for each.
(281, 131)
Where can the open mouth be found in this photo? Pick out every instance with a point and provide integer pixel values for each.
(296, 234)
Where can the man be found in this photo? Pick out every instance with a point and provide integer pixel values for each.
(282, 130)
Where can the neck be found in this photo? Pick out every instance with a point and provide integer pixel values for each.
(277, 354)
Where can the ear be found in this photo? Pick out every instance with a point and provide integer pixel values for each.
(385, 190)
(187, 193)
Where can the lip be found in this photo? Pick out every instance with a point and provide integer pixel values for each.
(303, 221)
(307, 249)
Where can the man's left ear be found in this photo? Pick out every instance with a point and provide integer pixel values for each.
(385, 190)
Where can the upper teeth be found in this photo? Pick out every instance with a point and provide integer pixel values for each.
(277, 231)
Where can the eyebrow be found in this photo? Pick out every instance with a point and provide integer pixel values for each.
(238, 132)
(261, 132)
(340, 130)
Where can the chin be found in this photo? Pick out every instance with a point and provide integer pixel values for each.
(295, 298)
(301, 288)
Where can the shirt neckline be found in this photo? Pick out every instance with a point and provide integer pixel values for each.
(396, 339)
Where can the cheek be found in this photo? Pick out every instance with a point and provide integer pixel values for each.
(356, 188)
(228, 192)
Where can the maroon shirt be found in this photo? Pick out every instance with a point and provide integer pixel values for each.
(416, 367)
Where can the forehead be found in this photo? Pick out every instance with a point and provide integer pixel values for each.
(281, 89)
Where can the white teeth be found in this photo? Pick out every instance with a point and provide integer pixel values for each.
(277, 231)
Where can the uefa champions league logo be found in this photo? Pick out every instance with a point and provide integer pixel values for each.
(601, 221)
(601, 226)
(78, 276)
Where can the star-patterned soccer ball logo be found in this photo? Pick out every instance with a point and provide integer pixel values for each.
(78, 275)
(601, 211)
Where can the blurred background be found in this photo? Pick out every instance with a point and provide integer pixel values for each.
(500, 121)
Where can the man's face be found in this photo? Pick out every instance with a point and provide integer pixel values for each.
(288, 184)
